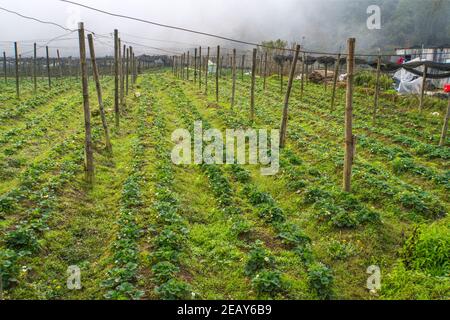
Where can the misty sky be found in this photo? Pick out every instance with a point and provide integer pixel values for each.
(251, 20)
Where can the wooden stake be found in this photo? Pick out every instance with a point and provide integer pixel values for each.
(122, 76)
(233, 89)
(195, 65)
(206, 73)
(127, 76)
(48, 69)
(286, 99)
(16, 53)
(217, 73)
(187, 65)
(422, 90)
(200, 68)
(182, 66)
(335, 78)
(34, 68)
(377, 90)
(87, 113)
(445, 126)
(252, 93)
(349, 137)
(116, 76)
(265, 70)
(99, 93)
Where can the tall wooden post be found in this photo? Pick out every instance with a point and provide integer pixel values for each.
(200, 68)
(335, 78)
(286, 99)
(87, 113)
(217, 73)
(4, 67)
(116, 76)
(233, 89)
(48, 69)
(252, 93)
(16, 53)
(132, 61)
(377, 90)
(122, 76)
(206, 72)
(422, 90)
(349, 137)
(195, 65)
(99, 93)
(265, 70)
(34, 67)
(443, 139)
(128, 69)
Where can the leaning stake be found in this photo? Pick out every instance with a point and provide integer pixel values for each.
(87, 113)
(349, 138)
(99, 93)
(286, 99)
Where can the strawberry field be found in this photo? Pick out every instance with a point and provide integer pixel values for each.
(149, 229)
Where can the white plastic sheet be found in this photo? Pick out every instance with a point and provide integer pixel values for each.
(409, 83)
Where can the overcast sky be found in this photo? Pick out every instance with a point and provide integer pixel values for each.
(251, 20)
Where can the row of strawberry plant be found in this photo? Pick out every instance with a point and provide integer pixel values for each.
(171, 230)
(35, 198)
(123, 275)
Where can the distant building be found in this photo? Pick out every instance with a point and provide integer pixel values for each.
(439, 54)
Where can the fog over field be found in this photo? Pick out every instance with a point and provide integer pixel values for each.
(320, 25)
